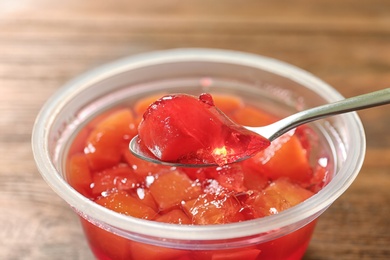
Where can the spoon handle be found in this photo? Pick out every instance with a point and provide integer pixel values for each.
(368, 100)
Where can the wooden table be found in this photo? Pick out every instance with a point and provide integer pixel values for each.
(45, 43)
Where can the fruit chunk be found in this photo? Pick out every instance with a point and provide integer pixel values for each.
(141, 167)
(105, 143)
(79, 176)
(230, 177)
(251, 116)
(123, 203)
(117, 178)
(211, 208)
(171, 188)
(254, 180)
(187, 129)
(278, 196)
(291, 192)
(176, 216)
(227, 103)
(285, 157)
(145, 197)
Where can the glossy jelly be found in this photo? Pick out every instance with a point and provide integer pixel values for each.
(185, 129)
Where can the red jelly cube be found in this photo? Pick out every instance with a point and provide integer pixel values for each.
(187, 129)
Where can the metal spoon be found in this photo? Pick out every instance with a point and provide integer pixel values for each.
(273, 131)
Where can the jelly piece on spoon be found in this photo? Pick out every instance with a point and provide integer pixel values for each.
(184, 129)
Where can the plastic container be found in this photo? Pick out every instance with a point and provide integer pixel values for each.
(272, 85)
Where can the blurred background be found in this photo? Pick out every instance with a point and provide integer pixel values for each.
(45, 43)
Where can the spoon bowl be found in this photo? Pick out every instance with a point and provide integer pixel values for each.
(273, 131)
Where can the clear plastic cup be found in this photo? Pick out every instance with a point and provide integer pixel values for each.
(270, 84)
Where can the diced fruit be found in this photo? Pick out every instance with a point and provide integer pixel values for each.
(230, 176)
(250, 116)
(228, 103)
(265, 203)
(117, 178)
(123, 203)
(170, 189)
(176, 216)
(79, 142)
(100, 118)
(105, 143)
(196, 174)
(79, 175)
(141, 167)
(201, 134)
(122, 121)
(210, 209)
(285, 157)
(278, 196)
(254, 180)
(103, 149)
(291, 192)
(145, 197)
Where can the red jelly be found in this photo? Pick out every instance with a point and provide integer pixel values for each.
(101, 167)
(182, 128)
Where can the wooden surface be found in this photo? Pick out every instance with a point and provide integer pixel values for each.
(45, 43)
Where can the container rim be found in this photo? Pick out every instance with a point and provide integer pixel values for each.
(313, 206)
